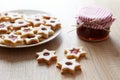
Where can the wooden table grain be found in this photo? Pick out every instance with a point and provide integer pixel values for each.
(103, 58)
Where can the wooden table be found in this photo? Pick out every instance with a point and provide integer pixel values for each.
(103, 58)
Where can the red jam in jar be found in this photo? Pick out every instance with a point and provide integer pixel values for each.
(90, 34)
(93, 23)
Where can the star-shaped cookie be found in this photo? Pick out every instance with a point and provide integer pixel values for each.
(46, 56)
(3, 28)
(34, 39)
(35, 20)
(54, 23)
(1, 39)
(68, 66)
(26, 32)
(13, 39)
(11, 16)
(75, 53)
(19, 23)
(45, 31)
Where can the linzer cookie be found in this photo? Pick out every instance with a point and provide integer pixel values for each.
(75, 53)
(54, 23)
(46, 56)
(93, 23)
(35, 20)
(33, 39)
(26, 32)
(1, 39)
(18, 24)
(0, 17)
(10, 16)
(68, 66)
(3, 28)
(45, 31)
(12, 39)
(45, 16)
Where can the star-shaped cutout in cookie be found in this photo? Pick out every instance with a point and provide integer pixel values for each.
(46, 56)
(75, 53)
(68, 66)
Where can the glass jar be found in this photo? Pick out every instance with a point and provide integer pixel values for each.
(90, 34)
(93, 23)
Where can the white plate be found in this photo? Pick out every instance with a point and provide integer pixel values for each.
(31, 12)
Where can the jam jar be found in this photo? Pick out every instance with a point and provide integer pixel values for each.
(93, 23)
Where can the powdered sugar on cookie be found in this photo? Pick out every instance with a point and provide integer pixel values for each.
(3, 28)
(35, 20)
(68, 66)
(45, 31)
(75, 53)
(31, 28)
(12, 39)
(53, 22)
(46, 56)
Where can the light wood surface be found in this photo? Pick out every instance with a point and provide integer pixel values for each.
(103, 58)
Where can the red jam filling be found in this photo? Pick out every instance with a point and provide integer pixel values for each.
(13, 37)
(20, 22)
(46, 54)
(43, 28)
(2, 25)
(37, 19)
(69, 63)
(27, 30)
(52, 21)
(75, 51)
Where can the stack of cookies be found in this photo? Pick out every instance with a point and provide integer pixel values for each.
(20, 29)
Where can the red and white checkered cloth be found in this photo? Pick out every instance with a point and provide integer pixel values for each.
(95, 17)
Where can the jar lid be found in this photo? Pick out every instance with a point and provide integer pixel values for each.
(95, 12)
(96, 16)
